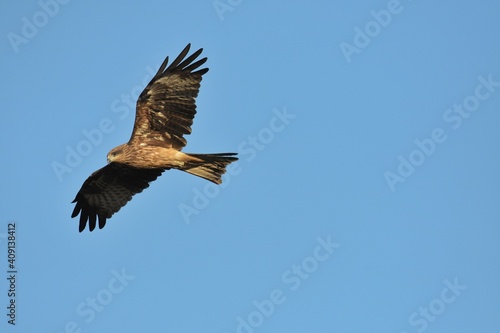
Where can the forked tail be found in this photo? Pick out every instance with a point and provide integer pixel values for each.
(211, 167)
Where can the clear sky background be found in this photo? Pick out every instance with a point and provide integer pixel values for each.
(366, 198)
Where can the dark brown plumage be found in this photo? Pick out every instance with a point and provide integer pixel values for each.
(164, 114)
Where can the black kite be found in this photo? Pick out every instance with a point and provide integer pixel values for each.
(164, 114)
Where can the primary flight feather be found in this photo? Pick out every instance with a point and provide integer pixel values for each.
(164, 114)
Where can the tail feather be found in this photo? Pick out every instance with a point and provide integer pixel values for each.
(210, 166)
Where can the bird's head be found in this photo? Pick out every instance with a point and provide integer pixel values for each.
(116, 154)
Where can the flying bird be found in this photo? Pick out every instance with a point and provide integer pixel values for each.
(164, 114)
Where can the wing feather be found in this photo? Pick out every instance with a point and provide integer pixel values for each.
(107, 190)
(166, 108)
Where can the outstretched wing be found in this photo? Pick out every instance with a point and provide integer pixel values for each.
(166, 107)
(109, 189)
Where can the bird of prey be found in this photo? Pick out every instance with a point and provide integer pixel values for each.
(164, 114)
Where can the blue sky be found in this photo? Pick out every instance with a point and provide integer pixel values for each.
(366, 198)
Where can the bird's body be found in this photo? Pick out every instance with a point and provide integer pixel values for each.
(165, 112)
(155, 156)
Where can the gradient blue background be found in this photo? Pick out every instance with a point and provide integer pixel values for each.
(322, 175)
